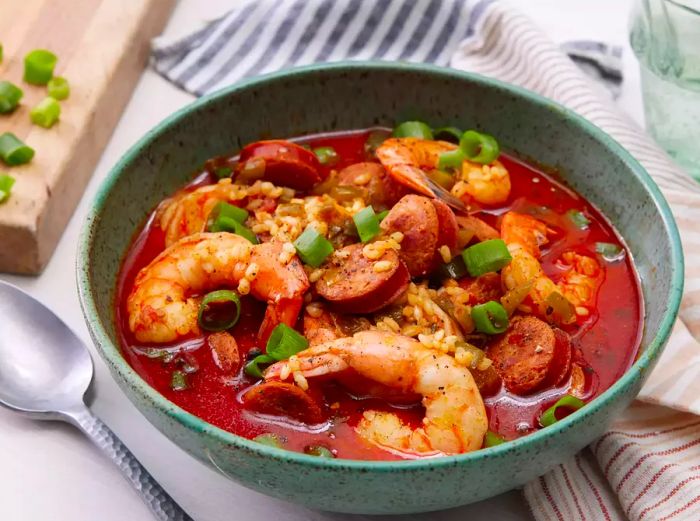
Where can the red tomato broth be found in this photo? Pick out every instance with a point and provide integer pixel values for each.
(605, 343)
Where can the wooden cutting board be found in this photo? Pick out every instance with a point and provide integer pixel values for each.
(102, 48)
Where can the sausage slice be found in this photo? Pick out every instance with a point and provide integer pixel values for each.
(283, 399)
(224, 351)
(354, 286)
(286, 164)
(483, 288)
(561, 361)
(447, 226)
(524, 354)
(382, 189)
(415, 216)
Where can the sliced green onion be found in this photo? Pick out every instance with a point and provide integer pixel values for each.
(492, 439)
(449, 134)
(312, 247)
(478, 147)
(367, 224)
(58, 88)
(413, 129)
(490, 318)
(579, 219)
(374, 140)
(486, 257)
(270, 439)
(455, 269)
(549, 417)
(318, 450)
(610, 252)
(451, 160)
(285, 342)
(38, 66)
(223, 172)
(6, 183)
(219, 310)
(327, 156)
(178, 381)
(223, 223)
(13, 151)
(224, 209)
(46, 113)
(252, 368)
(1, 53)
(10, 94)
(382, 215)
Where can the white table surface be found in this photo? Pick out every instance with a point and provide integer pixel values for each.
(48, 471)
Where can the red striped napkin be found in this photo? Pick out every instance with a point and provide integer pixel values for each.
(647, 467)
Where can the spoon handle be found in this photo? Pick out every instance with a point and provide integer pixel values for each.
(158, 500)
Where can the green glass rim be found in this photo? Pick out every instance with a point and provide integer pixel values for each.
(112, 353)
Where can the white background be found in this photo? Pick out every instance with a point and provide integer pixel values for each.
(49, 472)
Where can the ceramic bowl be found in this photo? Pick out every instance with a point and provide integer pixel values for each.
(359, 95)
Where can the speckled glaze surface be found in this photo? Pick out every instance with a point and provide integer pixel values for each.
(358, 95)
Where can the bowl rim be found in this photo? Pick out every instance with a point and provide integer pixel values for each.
(112, 353)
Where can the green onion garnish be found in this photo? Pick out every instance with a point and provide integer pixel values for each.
(46, 113)
(312, 247)
(252, 368)
(567, 401)
(285, 342)
(58, 88)
(413, 129)
(223, 172)
(374, 140)
(270, 439)
(451, 160)
(38, 66)
(1, 53)
(492, 439)
(219, 310)
(10, 94)
(455, 269)
(579, 219)
(224, 209)
(327, 156)
(367, 224)
(6, 183)
(486, 257)
(490, 318)
(178, 381)
(318, 450)
(13, 151)
(449, 134)
(478, 147)
(382, 215)
(610, 252)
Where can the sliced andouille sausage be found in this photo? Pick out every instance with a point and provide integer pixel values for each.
(416, 218)
(447, 225)
(353, 285)
(483, 288)
(286, 164)
(561, 361)
(224, 351)
(481, 230)
(321, 329)
(523, 355)
(382, 189)
(487, 381)
(283, 399)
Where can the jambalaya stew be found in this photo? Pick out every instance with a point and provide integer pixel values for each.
(378, 295)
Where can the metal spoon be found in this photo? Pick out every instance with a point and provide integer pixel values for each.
(45, 370)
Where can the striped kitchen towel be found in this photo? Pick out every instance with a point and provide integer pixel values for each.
(647, 467)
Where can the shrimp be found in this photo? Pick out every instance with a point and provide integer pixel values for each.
(186, 212)
(455, 418)
(524, 235)
(580, 283)
(163, 305)
(406, 159)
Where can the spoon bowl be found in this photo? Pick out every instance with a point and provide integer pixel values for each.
(45, 367)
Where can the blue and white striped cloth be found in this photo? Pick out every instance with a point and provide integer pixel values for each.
(491, 38)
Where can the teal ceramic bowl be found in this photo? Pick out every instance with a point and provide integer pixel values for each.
(359, 95)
